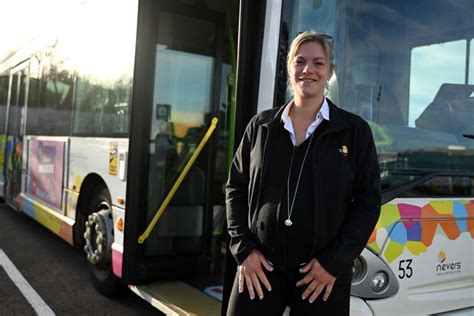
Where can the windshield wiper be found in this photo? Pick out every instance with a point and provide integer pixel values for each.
(471, 136)
(391, 194)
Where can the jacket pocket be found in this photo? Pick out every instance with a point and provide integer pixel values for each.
(266, 236)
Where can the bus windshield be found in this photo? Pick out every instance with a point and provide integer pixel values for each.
(406, 67)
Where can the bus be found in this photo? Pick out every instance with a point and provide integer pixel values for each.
(119, 122)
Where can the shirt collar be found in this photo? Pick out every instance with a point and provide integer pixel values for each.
(324, 111)
(288, 125)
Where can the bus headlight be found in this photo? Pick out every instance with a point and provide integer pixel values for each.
(372, 278)
(379, 281)
(358, 269)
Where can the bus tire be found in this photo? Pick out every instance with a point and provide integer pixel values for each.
(98, 239)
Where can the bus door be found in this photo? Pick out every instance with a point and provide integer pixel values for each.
(182, 81)
(14, 133)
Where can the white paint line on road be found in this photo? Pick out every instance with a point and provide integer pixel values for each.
(40, 307)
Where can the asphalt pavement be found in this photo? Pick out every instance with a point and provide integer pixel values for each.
(41, 272)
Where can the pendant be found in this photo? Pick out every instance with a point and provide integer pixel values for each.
(288, 222)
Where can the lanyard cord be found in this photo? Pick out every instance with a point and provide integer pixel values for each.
(288, 221)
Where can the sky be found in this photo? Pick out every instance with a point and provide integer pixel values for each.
(46, 21)
(23, 20)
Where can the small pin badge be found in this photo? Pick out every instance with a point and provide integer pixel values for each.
(344, 151)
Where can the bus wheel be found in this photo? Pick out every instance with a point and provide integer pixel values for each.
(98, 239)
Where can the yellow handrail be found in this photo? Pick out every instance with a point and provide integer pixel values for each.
(178, 182)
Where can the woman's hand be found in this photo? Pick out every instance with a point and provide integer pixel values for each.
(252, 273)
(318, 278)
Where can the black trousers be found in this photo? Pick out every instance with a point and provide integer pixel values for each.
(286, 293)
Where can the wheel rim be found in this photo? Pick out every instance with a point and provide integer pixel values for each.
(98, 236)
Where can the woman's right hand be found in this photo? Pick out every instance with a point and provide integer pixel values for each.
(251, 272)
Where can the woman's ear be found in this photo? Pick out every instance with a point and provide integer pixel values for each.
(331, 71)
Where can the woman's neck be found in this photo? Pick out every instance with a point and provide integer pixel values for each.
(302, 114)
(306, 109)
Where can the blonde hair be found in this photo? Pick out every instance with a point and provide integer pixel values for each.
(305, 37)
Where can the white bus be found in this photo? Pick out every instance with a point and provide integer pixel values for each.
(103, 114)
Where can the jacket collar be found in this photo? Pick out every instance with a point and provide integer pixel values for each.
(269, 117)
(336, 123)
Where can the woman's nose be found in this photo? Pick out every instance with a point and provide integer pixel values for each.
(308, 69)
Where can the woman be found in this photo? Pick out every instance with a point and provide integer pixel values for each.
(303, 196)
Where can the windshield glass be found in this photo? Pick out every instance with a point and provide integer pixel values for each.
(407, 68)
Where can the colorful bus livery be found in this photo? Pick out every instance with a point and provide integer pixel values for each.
(48, 217)
(404, 226)
(427, 245)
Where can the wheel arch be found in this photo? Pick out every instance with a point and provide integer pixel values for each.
(86, 194)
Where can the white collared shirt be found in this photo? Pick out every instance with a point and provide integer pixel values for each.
(288, 125)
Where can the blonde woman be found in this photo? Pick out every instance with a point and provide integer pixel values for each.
(303, 196)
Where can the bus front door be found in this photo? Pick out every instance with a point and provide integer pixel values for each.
(14, 135)
(184, 66)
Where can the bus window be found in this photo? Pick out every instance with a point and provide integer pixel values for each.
(426, 63)
(50, 96)
(104, 59)
(34, 88)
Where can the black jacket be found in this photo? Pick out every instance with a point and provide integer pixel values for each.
(346, 181)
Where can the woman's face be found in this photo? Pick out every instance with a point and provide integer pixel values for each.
(310, 70)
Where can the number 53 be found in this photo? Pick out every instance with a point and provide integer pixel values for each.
(405, 269)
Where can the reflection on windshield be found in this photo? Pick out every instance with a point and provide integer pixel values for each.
(405, 75)
(426, 63)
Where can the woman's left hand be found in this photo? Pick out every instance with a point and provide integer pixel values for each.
(318, 278)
